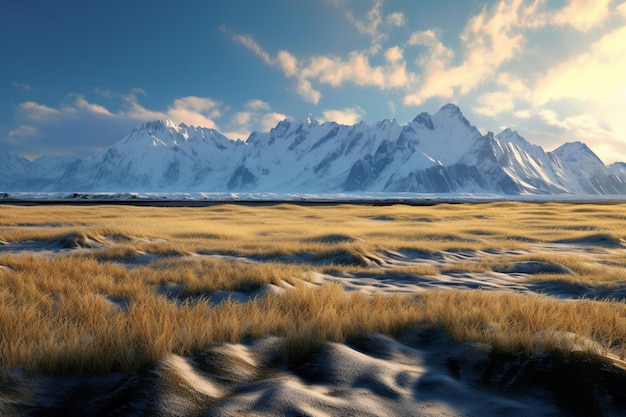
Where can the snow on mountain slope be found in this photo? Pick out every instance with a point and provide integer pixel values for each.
(157, 155)
(585, 173)
(307, 155)
(450, 137)
(14, 170)
(13, 164)
(426, 149)
(51, 167)
(451, 155)
(434, 153)
(618, 168)
(527, 164)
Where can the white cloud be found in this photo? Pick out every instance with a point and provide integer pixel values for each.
(83, 104)
(550, 117)
(288, 63)
(206, 106)
(489, 39)
(257, 116)
(370, 24)
(22, 131)
(347, 116)
(515, 85)
(583, 14)
(523, 114)
(376, 25)
(373, 19)
(195, 111)
(358, 70)
(242, 118)
(36, 111)
(394, 54)
(437, 52)
(306, 91)
(251, 44)
(336, 71)
(396, 19)
(492, 38)
(257, 105)
(584, 122)
(494, 103)
(596, 75)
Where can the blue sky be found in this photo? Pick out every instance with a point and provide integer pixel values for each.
(76, 76)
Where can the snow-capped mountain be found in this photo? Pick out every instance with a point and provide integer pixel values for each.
(586, 173)
(14, 171)
(618, 169)
(158, 155)
(306, 155)
(434, 153)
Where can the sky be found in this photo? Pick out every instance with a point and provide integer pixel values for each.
(76, 76)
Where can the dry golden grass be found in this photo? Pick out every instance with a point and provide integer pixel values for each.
(283, 229)
(511, 321)
(89, 304)
(201, 275)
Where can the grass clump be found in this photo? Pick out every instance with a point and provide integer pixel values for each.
(511, 322)
(205, 275)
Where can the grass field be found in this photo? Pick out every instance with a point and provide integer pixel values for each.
(91, 290)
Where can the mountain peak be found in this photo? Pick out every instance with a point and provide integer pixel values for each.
(510, 135)
(577, 146)
(154, 126)
(451, 111)
(425, 120)
(309, 119)
(159, 125)
(577, 151)
(450, 107)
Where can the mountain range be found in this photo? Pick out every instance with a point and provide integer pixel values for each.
(434, 153)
